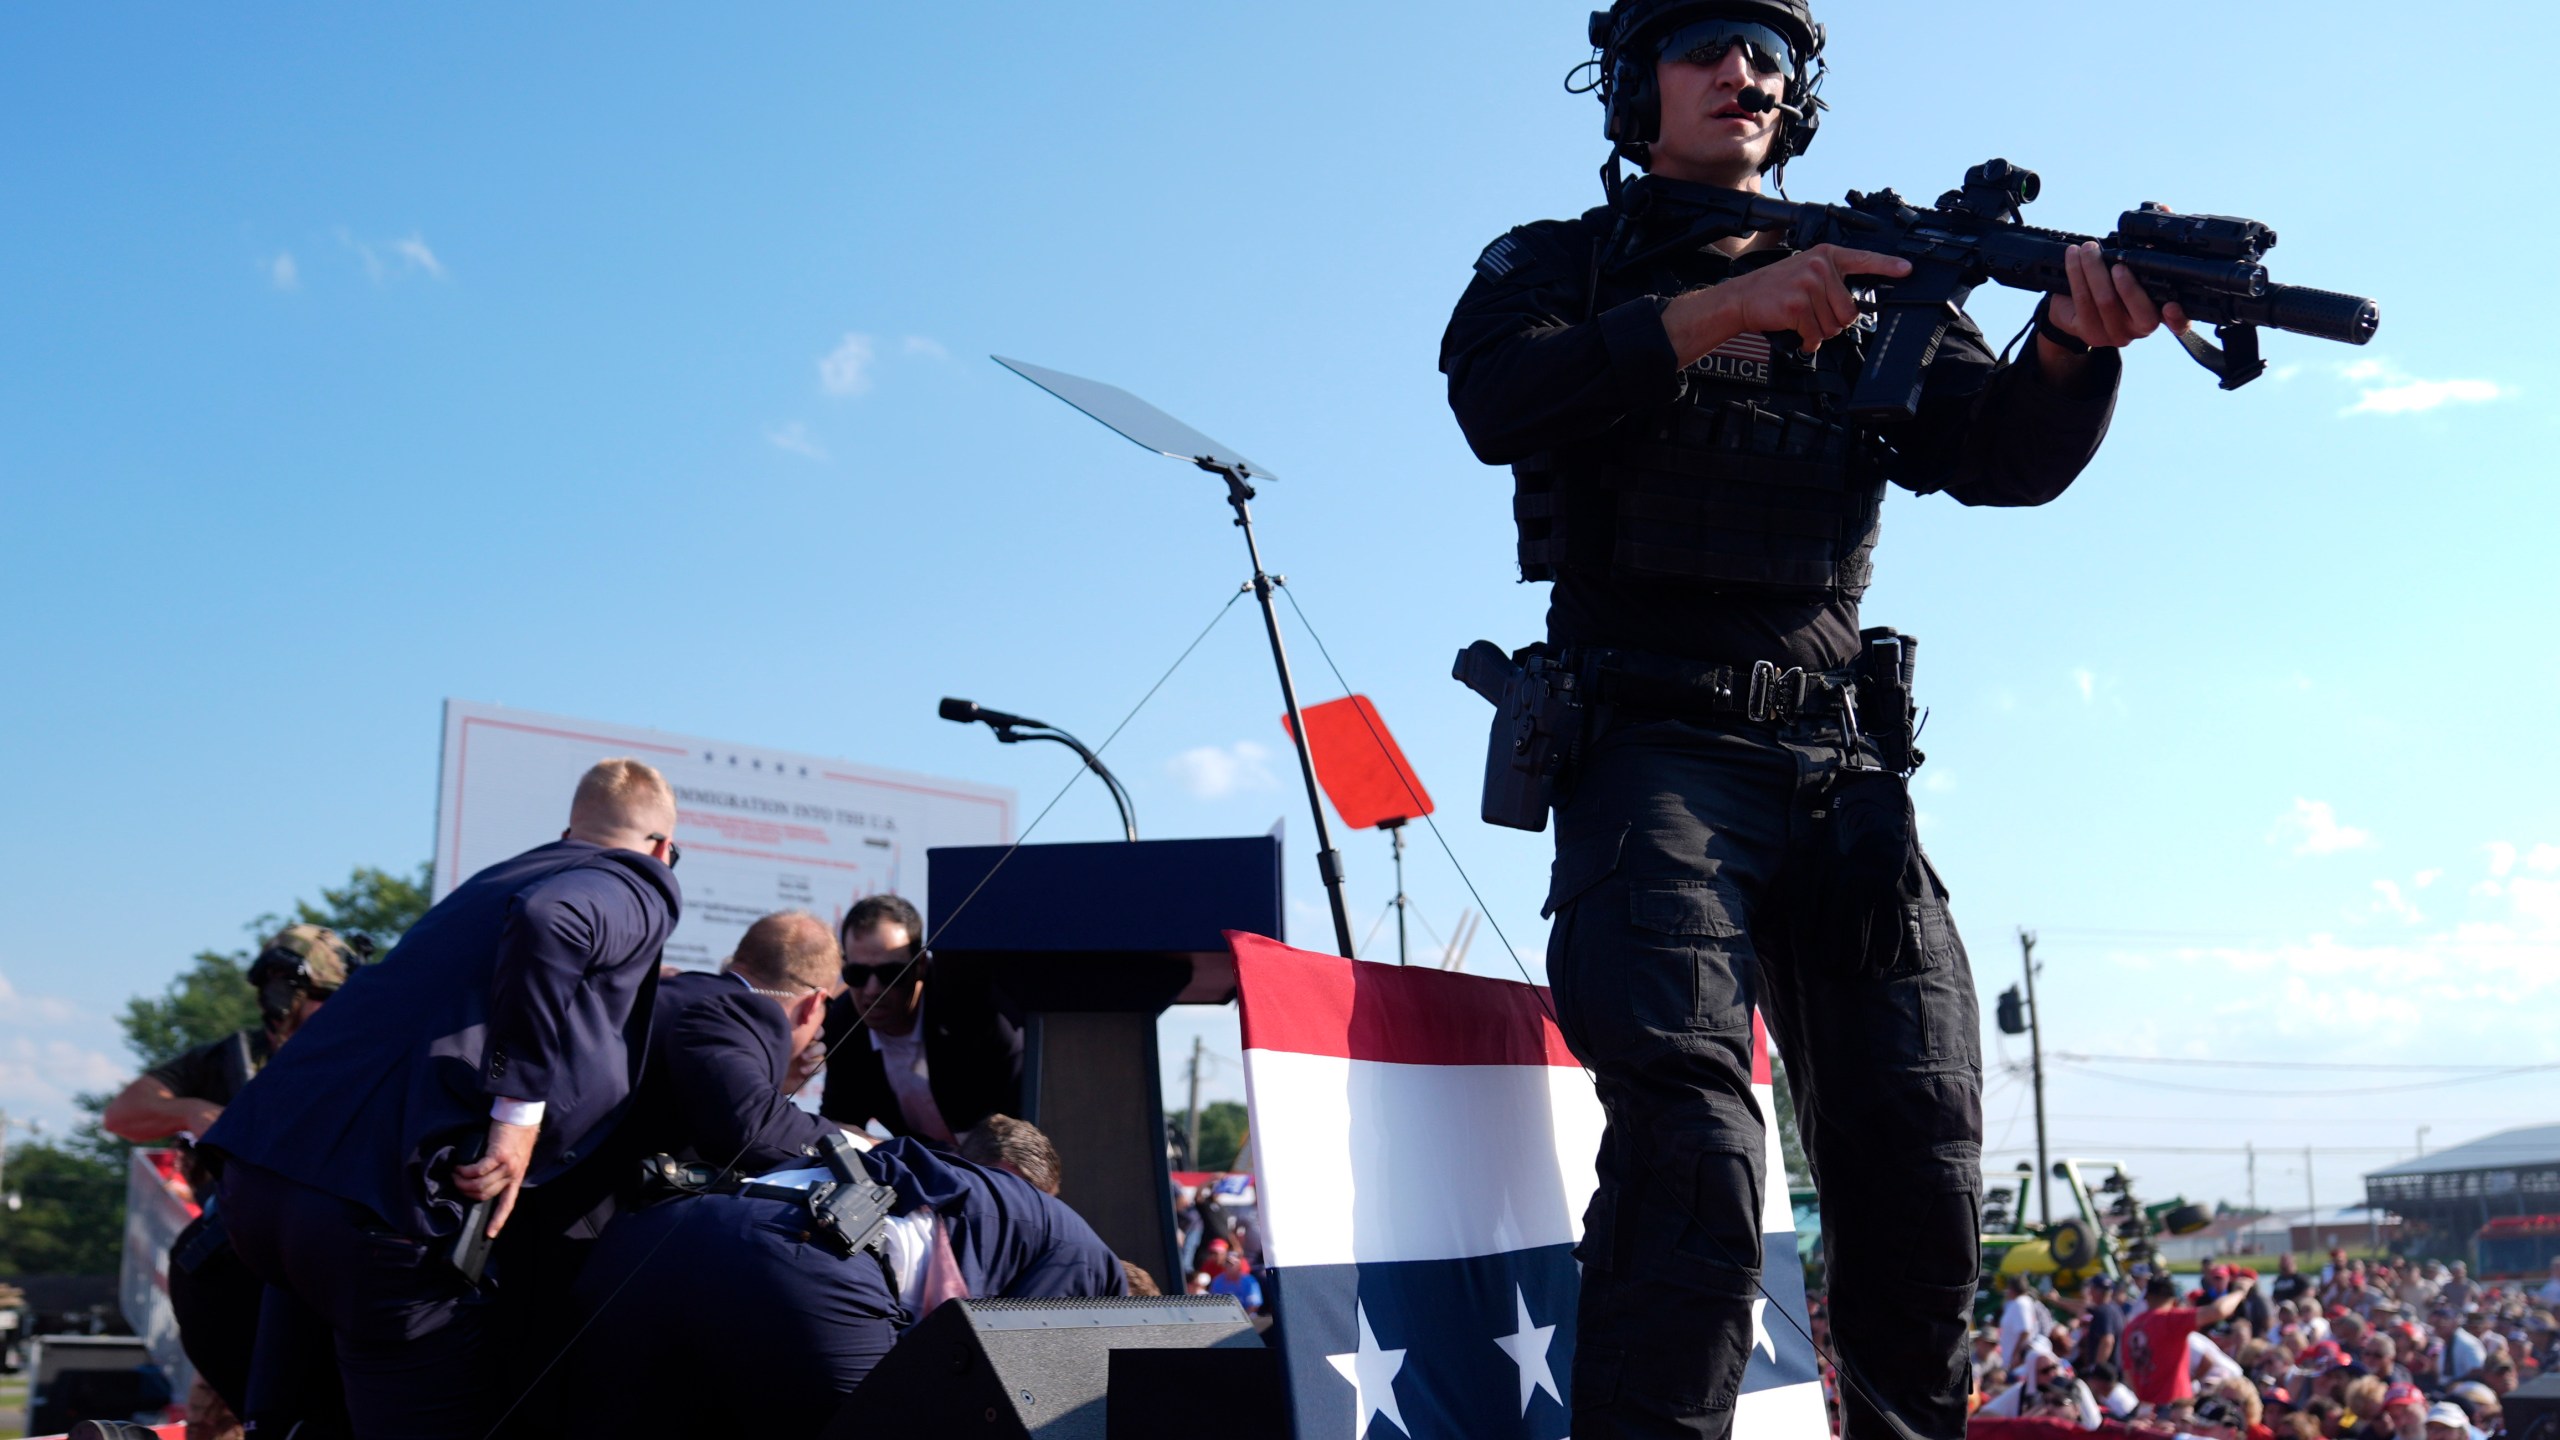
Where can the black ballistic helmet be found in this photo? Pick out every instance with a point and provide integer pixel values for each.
(1629, 35)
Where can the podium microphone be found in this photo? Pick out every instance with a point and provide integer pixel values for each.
(1014, 729)
(970, 712)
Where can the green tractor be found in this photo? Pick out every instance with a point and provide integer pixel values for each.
(2106, 1232)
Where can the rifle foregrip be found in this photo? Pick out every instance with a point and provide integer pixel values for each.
(2324, 314)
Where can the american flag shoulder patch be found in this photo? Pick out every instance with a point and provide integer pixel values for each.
(1500, 257)
(1745, 357)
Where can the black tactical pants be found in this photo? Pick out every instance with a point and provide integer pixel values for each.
(1683, 856)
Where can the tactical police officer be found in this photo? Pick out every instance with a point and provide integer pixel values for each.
(1733, 829)
(211, 1292)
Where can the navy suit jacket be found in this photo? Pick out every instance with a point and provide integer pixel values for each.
(972, 1060)
(533, 980)
(711, 1091)
(772, 1330)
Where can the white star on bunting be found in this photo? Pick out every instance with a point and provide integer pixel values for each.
(1527, 1348)
(1372, 1373)
(1761, 1339)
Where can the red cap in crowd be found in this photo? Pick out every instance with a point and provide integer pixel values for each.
(2402, 1393)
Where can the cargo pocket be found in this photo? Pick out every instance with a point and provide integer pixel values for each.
(1699, 922)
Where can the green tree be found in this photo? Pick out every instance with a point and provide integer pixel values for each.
(208, 999)
(1222, 1135)
(70, 1215)
(373, 903)
(1790, 1143)
(212, 998)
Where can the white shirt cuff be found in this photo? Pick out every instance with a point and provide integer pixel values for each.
(516, 1112)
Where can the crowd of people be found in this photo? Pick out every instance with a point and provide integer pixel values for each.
(2380, 1349)
(1221, 1250)
(509, 1072)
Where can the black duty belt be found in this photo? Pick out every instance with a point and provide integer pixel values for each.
(1761, 691)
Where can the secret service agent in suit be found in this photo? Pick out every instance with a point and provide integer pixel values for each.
(935, 1056)
(727, 1051)
(513, 1015)
(769, 1329)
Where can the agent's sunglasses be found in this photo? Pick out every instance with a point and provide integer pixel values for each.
(674, 855)
(858, 976)
(1708, 41)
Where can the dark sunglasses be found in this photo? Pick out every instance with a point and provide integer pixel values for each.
(859, 975)
(1709, 41)
(673, 854)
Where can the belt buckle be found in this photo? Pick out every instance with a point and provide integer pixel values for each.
(1778, 694)
(1764, 679)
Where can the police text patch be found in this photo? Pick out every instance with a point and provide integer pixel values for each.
(1745, 357)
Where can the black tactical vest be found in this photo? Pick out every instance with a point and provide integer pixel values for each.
(1736, 485)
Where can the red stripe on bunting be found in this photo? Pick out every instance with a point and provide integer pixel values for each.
(1310, 1004)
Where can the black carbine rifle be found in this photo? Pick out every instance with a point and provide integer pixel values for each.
(2211, 265)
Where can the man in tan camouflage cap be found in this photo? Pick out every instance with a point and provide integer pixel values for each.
(294, 972)
(214, 1296)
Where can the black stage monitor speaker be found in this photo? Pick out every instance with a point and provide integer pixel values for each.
(1012, 1369)
(2533, 1411)
(1163, 1395)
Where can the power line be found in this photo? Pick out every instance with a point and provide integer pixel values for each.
(2213, 1149)
(2327, 1094)
(2290, 1064)
(2269, 1121)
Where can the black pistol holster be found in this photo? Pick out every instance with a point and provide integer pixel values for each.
(1538, 722)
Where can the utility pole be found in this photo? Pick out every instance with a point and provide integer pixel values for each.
(2035, 1051)
(1191, 1126)
(1396, 831)
(2422, 1140)
(2253, 1172)
(2310, 1191)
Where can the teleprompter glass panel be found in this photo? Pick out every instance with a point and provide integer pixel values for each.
(1135, 419)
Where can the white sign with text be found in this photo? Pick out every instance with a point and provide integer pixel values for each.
(761, 830)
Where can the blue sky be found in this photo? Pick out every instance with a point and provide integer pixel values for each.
(630, 364)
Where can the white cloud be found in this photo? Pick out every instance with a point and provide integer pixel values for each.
(926, 346)
(2313, 829)
(846, 370)
(2388, 900)
(2386, 390)
(2543, 859)
(411, 252)
(414, 250)
(1939, 782)
(1214, 772)
(372, 259)
(2426, 878)
(2502, 857)
(18, 1007)
(43, 1063)
(283, 273)
(794, 439)
(2087, 681)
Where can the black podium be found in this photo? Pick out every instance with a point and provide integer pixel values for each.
(1087, 944)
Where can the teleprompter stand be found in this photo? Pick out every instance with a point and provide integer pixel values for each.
(1152, 429)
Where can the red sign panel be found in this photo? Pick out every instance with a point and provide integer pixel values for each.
(1363, 771)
